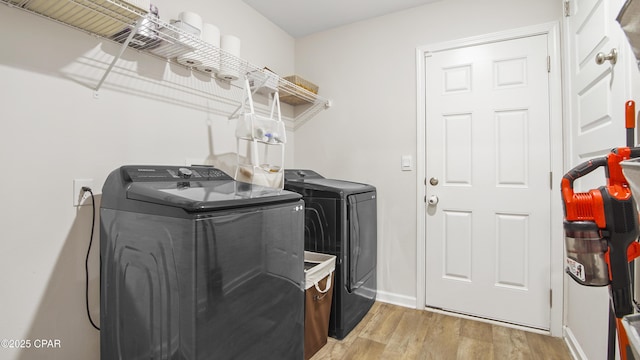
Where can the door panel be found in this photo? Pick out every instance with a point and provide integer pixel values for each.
(458, 150)
(458, 245)
(512, 145)
(488, 235)
(512, 250)
(598, 91)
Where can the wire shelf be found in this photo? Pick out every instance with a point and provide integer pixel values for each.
(121, 22)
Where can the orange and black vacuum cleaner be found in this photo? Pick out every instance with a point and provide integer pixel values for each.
(601, 229)
(601, 232)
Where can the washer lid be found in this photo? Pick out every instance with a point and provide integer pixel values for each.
(197, 196)
(192, 188)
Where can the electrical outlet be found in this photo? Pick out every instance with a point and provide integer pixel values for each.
(81, 197)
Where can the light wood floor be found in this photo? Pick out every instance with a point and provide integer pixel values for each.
(394, 333)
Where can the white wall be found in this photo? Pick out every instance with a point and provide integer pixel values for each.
(368, 69)
(53, 130)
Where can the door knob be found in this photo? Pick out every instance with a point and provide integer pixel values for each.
(612, 56)
(433, 200)
(433, 181)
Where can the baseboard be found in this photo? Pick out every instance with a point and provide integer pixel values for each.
(396, 299)
(573, 345)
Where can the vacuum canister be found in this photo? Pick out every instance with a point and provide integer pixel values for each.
(586, 248)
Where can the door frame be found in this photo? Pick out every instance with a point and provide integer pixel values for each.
(552, 31)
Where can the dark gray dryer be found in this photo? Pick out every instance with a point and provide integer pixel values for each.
(340, 219)
(198, 266)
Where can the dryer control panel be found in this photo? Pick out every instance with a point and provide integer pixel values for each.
(300, 175)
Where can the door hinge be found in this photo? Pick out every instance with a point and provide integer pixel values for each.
(550, 298)
(567, 8)
(548, 64)
(550, 180)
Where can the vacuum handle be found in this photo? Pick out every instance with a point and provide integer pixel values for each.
(630, 115)
(630, 121)
(585, 168)
(635, 152)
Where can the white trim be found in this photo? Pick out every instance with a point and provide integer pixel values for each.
(557, 169)
(573, 345)
(556, 123)
(528, 31)
(567, 140)
(420, 180)
(396, 299)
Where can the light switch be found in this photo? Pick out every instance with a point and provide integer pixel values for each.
(407, 163)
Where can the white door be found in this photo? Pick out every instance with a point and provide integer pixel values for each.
(488, 166)
(597, 91)
(596, 101)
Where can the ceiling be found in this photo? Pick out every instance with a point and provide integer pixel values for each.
(304, 17)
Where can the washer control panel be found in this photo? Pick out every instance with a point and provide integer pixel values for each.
(170, 173)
